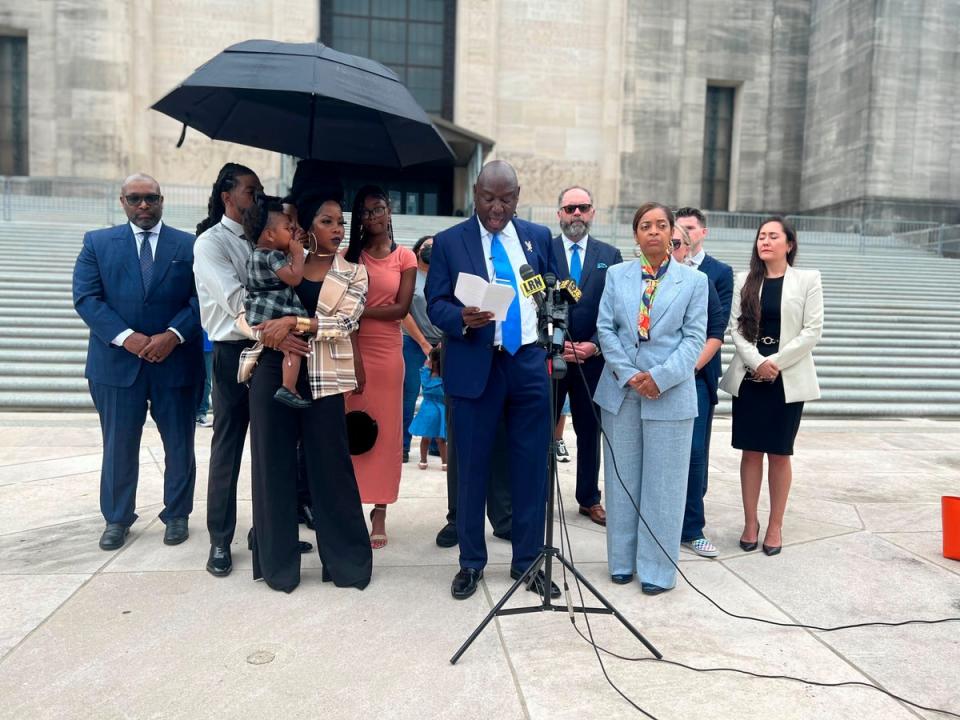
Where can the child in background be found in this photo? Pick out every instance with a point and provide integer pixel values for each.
(431, 419)
(274, 269)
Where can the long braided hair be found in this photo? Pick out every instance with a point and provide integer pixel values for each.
(748, 323)
(358, 239)
(226, 181)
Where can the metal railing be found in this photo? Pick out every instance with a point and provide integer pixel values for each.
(45, 199)
(96, 202)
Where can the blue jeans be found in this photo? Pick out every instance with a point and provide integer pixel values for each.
(413, 359)
(207, 384)
(693, 516)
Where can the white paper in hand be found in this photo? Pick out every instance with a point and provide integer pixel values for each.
(474, 291)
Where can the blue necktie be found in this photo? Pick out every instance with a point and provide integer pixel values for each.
(146, 262)
(575, 266)
(510, 334)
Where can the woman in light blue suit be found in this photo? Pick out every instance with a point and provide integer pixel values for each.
(652, 327)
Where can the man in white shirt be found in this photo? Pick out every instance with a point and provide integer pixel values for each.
(220, 267)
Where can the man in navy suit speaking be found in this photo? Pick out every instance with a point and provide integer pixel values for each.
(133, 286)
(493, 369)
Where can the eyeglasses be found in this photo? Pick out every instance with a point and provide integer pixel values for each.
(583, 208)
(135, 199)
(376, 212)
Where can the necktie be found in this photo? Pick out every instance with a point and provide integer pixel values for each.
(146, 261)
(510, 334)
(575, 265)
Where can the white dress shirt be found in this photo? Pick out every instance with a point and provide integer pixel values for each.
(568, 248)
(154, 237)
(220, 269)
(528, 308)
(695, 260)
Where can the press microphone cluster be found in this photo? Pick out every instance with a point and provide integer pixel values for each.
(553, 298)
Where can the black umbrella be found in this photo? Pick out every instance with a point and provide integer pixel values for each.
(306, 100)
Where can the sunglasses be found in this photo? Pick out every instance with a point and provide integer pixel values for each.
(583, 208)
(135, 200)
(677, 243)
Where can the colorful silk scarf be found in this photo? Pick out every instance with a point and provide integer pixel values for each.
(652, 278)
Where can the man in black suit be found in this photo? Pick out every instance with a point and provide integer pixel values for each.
(708, 375)
(584, 259)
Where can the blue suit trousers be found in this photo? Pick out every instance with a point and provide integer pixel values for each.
(122, 414)
(517, 389)
(693, 515)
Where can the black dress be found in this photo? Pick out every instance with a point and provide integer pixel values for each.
(275, 429)
(762, 420)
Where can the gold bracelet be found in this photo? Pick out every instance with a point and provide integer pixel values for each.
(303, 324)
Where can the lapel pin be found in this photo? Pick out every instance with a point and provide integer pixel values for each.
(528, 245)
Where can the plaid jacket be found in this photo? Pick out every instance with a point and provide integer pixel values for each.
(341, 302)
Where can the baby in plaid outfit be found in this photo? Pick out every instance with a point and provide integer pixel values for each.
(274, 268)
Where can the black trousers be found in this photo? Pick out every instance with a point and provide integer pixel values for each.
(231, 418)
(585, 425)
(499, 505)
(275, 429)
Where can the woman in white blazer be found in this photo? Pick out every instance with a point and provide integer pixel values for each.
(776, 320)
(652, 327)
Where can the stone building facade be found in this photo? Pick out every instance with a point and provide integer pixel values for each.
(842, 108)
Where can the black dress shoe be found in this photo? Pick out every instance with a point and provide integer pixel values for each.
(539, 580)
(219, 563)
(305, 547)
(772, 549)
(176, 531)
(448, 536)
(406, 456)
(113, 536)
(651, 589)
(465, 583)
(622, 578)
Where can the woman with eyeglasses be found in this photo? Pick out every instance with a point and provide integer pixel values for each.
(392, 272)
(776, 320)
(652, 327)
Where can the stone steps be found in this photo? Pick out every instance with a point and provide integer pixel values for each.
(879, 356)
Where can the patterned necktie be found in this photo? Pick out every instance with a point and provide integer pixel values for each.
(146, 261)
(510, 334)
(575, 265)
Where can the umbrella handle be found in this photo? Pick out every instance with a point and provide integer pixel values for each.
(183, 135)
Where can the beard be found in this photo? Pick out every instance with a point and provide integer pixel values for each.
(575, 229)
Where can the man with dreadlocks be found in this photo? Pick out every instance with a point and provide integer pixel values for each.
(220, 268)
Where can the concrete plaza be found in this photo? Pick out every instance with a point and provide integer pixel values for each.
(145, 632)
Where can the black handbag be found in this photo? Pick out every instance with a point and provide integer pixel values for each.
(362, 431)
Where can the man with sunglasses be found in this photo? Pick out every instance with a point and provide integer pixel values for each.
(708, 372)
(133, 286)
(584, 259)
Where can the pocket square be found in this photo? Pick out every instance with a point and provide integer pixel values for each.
(601, 266)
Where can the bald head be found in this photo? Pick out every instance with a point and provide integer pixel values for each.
(139, 178)
(141, 200)
(496, 194)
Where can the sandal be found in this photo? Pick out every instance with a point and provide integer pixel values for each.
(443, 467)
(377, 541)
(422, 464)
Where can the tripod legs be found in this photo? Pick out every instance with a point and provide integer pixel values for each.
(546, 556)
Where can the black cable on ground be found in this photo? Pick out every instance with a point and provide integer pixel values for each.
(565, 538)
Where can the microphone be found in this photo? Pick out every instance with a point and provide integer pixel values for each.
(531, 284)
(569, 290)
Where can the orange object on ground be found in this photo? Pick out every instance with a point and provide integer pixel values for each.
(951, 527)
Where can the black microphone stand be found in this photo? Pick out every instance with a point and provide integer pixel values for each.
(552, 323)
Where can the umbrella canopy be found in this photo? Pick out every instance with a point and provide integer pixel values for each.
(307, 100)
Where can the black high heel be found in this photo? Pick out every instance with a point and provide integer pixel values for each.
(749, 546)
(771, 550)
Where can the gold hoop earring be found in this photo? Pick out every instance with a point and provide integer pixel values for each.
(312, 243)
